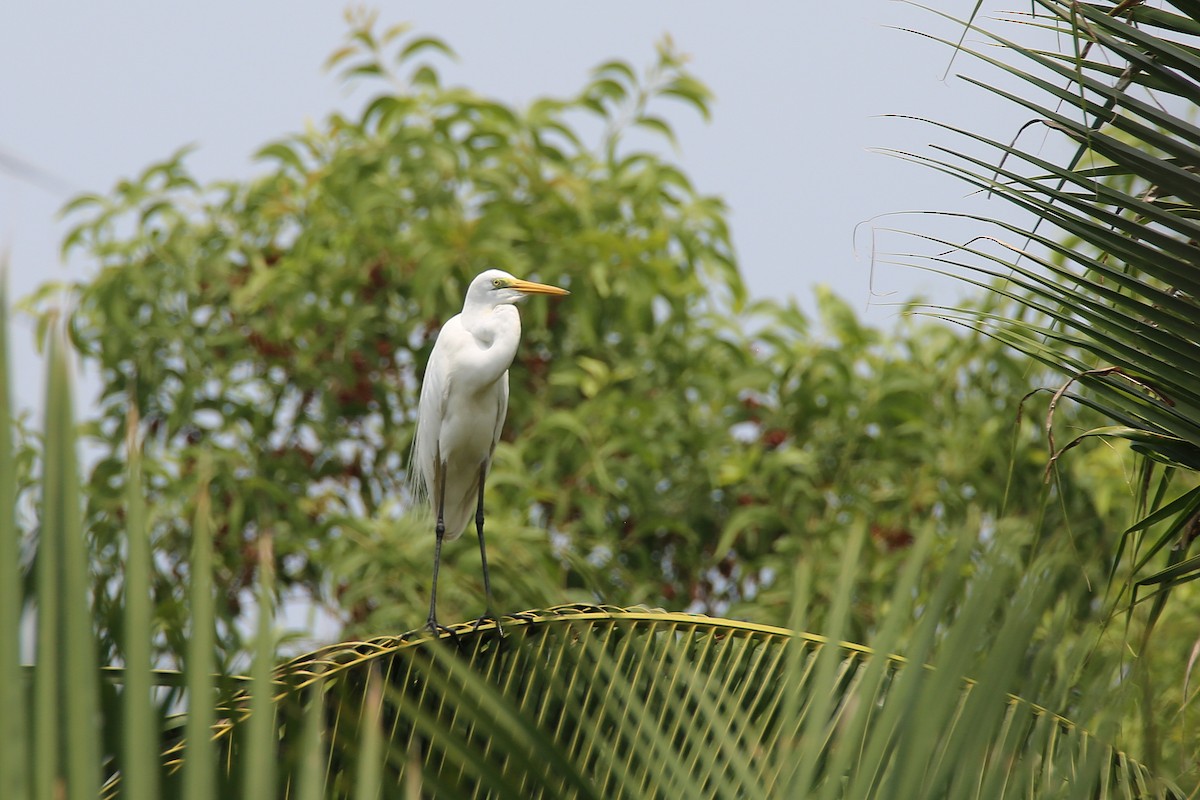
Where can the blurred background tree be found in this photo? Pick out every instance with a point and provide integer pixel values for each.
(670, 442)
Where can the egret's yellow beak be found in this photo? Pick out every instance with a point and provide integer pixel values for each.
(529, 287)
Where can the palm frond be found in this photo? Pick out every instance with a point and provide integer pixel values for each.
(599, 701)
(1108, 268)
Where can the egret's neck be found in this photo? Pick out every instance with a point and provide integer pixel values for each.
(487, 323)
(497, 332)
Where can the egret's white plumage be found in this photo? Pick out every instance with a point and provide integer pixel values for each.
(464, 399)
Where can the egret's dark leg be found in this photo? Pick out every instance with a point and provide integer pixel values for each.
(440, 531)
(487, 583)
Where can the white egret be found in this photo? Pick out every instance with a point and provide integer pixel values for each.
(464, 399)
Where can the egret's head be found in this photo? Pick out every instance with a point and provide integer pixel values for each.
(496, 287)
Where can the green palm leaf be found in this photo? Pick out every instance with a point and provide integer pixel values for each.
(598, 701)
(1108, 268)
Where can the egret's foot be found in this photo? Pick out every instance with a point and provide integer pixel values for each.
(438, 630)
(488, 615)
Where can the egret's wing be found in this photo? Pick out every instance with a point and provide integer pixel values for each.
(501, 413)
(422, 463)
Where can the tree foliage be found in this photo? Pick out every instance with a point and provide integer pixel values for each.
(1107, 284)
(669, 441)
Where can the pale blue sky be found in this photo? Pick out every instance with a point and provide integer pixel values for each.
(90, 94)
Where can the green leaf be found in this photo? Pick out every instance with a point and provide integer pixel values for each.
(283, 153)
(369, 774)
(15, 751)
(608, 89)
(81, 201)
(692, 92)
(199, 776)
(1182, 506)
(620, 69)
(258, 776)
(309, 779)
(1179, 572)
(142, 744)
(658, 125)
(421, 44)
(68, 700)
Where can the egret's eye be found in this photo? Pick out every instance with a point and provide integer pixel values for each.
(497, 282)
